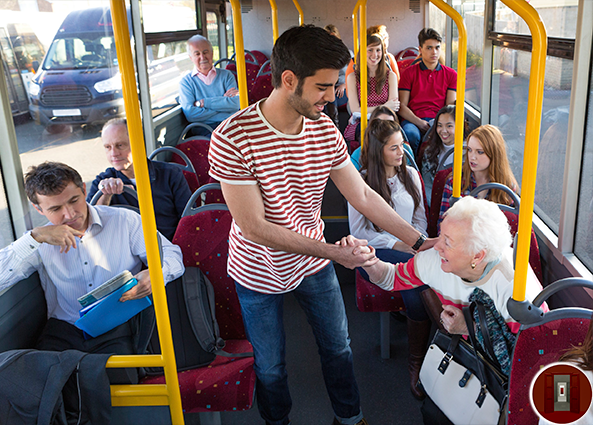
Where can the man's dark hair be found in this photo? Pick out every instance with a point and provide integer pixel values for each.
(304, 50)
(50, 178)
(428, 34)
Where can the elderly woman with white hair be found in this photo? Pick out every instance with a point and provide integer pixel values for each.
(472, 251)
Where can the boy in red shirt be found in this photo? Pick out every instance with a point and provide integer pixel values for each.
(425, 87)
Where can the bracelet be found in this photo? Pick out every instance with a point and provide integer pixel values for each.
(419, 242)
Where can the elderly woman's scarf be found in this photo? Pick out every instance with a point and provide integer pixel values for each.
(503, 340)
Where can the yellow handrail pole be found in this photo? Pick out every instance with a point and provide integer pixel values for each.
(364, 86)
(355, 30)
(274, 20)
(301, 14)
(240, 53)
(460, 102)
(532, 132)
(130, 94)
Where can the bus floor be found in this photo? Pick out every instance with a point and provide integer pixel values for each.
(383, 384)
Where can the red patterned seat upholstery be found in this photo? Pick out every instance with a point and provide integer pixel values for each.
(370, 297)
(203, 239)
(438, 185)
(227, 383)
(262, 87)
(196, 149)
(536, 347)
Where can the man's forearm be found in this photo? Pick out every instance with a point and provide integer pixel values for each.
(407, 114)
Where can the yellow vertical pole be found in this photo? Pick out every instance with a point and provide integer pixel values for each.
(532, 132)
(240, 53)
(355, 30)
(274, 19)
(301, 14)
(130, 94)
(364, 86)
(460, 102)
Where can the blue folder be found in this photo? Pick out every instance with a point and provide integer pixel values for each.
(108, 313)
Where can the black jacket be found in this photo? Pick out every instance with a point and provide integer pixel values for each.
(170, 193)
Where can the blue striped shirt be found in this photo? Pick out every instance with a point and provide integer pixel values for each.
(113, 242)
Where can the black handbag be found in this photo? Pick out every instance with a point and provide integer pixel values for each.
(464, 383)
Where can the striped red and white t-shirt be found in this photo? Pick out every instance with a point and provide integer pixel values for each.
(292, 172)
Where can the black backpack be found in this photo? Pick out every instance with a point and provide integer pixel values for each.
(196, 336)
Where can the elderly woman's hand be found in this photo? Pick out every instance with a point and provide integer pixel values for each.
(453, 320)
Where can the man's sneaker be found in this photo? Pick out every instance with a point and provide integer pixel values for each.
(362, 422)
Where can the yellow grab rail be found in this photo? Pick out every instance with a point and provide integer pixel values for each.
(532, 131)
(274, 20)
(301, 14)
(355, 30)
(460, 102)
(361, 10)
(130, 94)
(240, 53)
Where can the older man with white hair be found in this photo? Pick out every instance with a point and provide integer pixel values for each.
(207, 94)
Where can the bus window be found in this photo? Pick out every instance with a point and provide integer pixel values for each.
(212, 26)
(559, 17)
(510, 84)
(472, 12)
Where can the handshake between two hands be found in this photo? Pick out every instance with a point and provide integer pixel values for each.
(356, 253)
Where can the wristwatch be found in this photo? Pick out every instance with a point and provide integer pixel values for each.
(419, 242)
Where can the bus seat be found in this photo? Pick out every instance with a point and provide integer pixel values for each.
(196, 148)
(186, 166)
(438, 185)
(542, 343)
(262, 87)
(23, 314)
(203, 239)
(227, 383)
(259, 57)
(371, 298)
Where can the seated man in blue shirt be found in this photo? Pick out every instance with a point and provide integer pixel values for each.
(207, 94)
(80, 248)
(170, 191)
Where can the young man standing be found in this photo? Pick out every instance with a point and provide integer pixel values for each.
(425, 88)
(273, 160)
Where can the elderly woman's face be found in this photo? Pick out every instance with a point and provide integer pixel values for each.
(450, 246)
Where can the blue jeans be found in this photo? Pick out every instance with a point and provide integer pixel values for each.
(414, 306)
(320, 298)
(413, 133)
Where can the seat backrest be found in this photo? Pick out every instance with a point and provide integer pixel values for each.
(536, 347)
(438, 185)
(186, 165)
(23, 314)
(196, 149)
(203, 239)
(259, 57)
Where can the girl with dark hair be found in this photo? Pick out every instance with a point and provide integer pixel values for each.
(384, 170)
(485, 162)
(439, 142)
(382, 87)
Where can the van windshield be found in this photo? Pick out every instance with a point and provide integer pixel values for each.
(81, 52)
